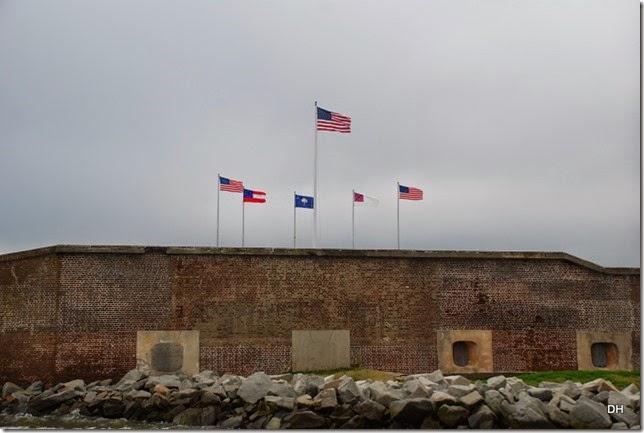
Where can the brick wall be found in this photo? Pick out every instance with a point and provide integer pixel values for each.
(74, 311)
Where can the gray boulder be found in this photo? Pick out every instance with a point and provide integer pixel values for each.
(206, 377)
(126, 385)
(134, 375)
(217, 390)
(588, 414)
(348, 391)
(77, 384)
(471, 400)
(415, 388)
(516, 384)
(305, 401)
(601, 397)
(569, 389)
(48, 403)
(565, 403)
(282, 390)
(326, 399)
(619, 426)
(304, 419)
(439, 398)
(457, 380)
(280, 403)
(167, 380)
(307, 384)
(435, 376)
(556, 415)
(232, 422)
(9, 388)
(460, 390)
(355, 422)
(274, 423)
(452, 416)
(617, 398)
(482, 418)
(411, 412)
(208, 398)
(35, 388)
(630, 389)
(371, 410)
(255, 387)
(543, 394)
(494, 400)
(497, 382)
(384, 395)
(526, 414)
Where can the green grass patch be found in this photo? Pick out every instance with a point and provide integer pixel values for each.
(620, 379)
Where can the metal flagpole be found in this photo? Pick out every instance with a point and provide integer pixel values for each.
(398, 213)
(218, 188)
(315, 180)
(243, 209)
(353, 219)
(294, 214)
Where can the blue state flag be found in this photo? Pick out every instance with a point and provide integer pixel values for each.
(304, 201)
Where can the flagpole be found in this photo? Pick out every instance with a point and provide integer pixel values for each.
(398, 213)
(353, 218)
(243, 209)
(294, 214)
(218, 188)
(315, 180)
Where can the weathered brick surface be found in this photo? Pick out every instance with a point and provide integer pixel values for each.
(530, 350)
(399, 359)
(74, 311)
(113, 292)
(28, 356)
(95, 355)
(245, 360)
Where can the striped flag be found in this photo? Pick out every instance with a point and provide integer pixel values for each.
(230, 185)
(251, 196)
(409, 193)
(330, 121)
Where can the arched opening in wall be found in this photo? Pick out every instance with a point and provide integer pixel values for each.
(604, 355)
(464, 353)
(167, 357)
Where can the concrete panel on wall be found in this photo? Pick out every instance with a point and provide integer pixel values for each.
(320, 349)
(168, 351)
(465, 351)
(604, 350)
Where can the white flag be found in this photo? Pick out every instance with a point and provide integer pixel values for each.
(364, 200)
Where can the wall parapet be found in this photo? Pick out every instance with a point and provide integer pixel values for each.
(308, 252)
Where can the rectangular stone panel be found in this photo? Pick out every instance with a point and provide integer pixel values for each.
(620, 360)
(320, 349)
(159, 350)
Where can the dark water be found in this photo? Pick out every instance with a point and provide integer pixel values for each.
(76, 421)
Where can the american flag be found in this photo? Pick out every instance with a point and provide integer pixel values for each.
(409, 193)
(230, 185)
(330, 121)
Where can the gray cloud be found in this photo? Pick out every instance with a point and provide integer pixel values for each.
(519, 120)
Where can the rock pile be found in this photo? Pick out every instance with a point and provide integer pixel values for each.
(305, 401)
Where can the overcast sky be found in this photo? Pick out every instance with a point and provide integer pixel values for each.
(519, 120)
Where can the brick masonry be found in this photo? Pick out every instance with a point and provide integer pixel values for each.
(74, 311)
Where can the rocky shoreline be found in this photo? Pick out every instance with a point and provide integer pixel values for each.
(259, 401)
